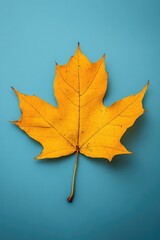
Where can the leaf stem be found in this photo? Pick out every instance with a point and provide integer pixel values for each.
(70, 198)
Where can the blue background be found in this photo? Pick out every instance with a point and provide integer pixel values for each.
(117, 200)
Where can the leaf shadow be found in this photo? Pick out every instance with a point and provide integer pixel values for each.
(119, 162)
(134, 132)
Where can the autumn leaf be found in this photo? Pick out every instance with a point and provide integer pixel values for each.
(81, 123)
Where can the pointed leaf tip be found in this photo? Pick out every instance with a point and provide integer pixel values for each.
(78, 47)
(11, 121)
(13, 89)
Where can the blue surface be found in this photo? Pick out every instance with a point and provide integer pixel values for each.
(118, 200)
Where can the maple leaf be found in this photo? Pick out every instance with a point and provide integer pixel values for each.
(80, 123)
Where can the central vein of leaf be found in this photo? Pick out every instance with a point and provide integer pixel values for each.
(79, 109)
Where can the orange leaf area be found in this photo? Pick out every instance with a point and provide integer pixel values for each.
(81, 122)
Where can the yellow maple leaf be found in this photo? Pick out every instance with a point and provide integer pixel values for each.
(80, 123)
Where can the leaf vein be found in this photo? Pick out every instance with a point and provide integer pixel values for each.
(68, 97)
(65, 80)
(109, 121)
(92, 79)
(47, 121)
